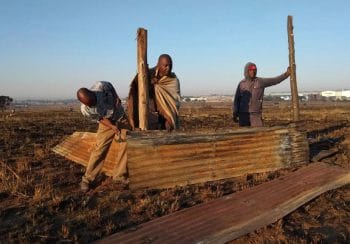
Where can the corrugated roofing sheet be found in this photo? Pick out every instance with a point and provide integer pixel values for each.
(161, 160)
(231, 216)
(158, 159)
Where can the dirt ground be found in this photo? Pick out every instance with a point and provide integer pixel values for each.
(40, 199)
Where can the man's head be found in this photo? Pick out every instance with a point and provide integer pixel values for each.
(164, 65)
(87, 97)
(252, 71)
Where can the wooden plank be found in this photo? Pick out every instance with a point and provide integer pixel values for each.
(142, 77)
(234, 215)
(293, 76)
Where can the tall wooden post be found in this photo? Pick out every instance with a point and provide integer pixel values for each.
(142, 67)
(293, 77)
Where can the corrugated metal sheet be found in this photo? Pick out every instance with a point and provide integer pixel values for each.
(163, 160)
(78, 146)
(229, 217)
(158, 159)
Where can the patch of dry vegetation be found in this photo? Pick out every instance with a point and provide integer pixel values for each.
(39, 190)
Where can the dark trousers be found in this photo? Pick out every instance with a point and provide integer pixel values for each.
(250, 119)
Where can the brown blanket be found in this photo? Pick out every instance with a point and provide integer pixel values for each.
(164, 98)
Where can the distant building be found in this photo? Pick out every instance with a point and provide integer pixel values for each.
(198, 99)
(275, 96)
(331, 94)
(314, 95)
(194, 99)
(286, 96)
(345, 93)
(339, 95)
(219, 98)
(208, 98)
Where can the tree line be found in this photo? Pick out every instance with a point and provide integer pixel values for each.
(5, 101)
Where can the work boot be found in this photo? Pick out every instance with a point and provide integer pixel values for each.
(84, 186)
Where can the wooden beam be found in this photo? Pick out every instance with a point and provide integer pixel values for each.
(237, 214)
(293, 77)
(142, 67)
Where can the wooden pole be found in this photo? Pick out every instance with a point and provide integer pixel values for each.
(142, 68)
(293, 77)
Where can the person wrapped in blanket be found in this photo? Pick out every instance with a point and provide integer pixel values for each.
(101, 103)
(164, 97)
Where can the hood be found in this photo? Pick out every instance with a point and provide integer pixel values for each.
(246, 77)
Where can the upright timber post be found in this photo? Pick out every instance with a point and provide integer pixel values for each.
(142, 67)
(293, 77)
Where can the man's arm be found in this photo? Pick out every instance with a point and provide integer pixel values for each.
(109, 124)
(275, 80)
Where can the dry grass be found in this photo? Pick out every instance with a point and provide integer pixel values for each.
(40, 200)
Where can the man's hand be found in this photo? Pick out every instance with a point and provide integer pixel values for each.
(288, 71)
(109, 124)
(154, 80)
(115, 129)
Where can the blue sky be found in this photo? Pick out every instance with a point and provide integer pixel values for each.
(50, 48)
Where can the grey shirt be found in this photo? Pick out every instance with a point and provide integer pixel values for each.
(250, 93)
(107, 105)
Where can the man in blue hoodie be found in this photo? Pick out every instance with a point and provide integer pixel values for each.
(247, 105)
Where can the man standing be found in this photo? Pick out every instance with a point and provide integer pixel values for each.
(247, 104)
(102, 103)
(164, 97)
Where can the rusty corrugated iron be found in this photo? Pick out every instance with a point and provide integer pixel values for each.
(78, 146)
(161, 160)
(234, 215)
(158, 159)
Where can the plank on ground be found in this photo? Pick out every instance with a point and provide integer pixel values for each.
(234, 215)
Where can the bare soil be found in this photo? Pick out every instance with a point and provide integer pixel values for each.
(40, 199)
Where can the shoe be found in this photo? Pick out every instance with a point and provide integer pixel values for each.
(84, 186)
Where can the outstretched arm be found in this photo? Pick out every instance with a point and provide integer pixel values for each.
(275, 80)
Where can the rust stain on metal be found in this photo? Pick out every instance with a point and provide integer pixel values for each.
(231, 216)
(157, 159)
